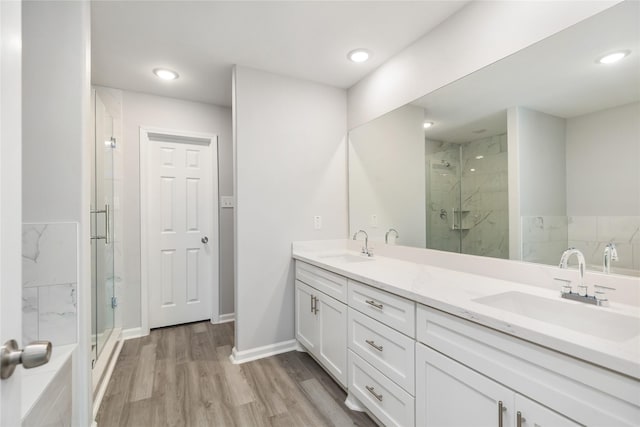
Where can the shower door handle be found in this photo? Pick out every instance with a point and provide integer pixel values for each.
(107, 227)
(35, 354)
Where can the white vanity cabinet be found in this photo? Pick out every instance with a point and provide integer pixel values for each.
(451, 394)
(382, 353)
(464, 370)
(321, 323)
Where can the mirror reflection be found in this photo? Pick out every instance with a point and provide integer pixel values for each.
(520, 160)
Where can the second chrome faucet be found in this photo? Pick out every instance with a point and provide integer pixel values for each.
(365, 248)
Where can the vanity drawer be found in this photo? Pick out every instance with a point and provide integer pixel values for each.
(325, 281)
(389, 351)
(392, 310)
(389, 403)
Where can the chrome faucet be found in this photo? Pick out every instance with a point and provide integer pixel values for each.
(386, 235)
(610, 254)
(582, 289)
(365, 248)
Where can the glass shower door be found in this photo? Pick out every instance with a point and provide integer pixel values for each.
(102, 256)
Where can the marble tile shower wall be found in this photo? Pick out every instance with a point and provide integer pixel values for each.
(49, 280)
(546, 237)
(485, 201)
(479, 225)
(591, 234)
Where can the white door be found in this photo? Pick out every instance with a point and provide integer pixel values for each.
(10, 200)
(333, 336)
(450, 394)
(307, 328)
(181, 240)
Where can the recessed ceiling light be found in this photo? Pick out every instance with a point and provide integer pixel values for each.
(165, 74)
(613, 57)
(359, 55)
(479, 157)
(427, 124)
(472, 170)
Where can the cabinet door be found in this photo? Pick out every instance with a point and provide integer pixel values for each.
(535, 415)
(450, 394)
(307, 325)
(333, 336)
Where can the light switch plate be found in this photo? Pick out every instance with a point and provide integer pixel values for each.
(226, 202)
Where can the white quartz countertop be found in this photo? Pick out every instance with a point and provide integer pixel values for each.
(455, 293)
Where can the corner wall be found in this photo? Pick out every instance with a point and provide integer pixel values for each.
(142, 110)
(290, 158)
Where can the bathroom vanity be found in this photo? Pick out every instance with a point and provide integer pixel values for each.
(419, 345)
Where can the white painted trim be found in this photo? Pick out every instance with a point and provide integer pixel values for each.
(224, 318)
(131, 333)
(185, 136)
(104, 359)
(104, 383)
(238, 357)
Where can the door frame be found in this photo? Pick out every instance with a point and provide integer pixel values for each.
(177, 136)
(11, 199)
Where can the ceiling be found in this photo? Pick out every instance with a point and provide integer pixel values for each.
(558, 76)
(202, 40)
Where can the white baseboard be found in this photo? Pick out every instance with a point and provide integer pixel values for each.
(243, 356)
(128, 334)
(224, 318)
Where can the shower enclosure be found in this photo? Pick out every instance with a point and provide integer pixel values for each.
(102, 230)
(467, 200)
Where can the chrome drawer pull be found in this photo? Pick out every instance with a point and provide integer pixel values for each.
(373, 344)
(372, 391)
(373, 303)
(501, 408)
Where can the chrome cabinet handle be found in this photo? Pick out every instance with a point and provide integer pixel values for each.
(311, 302)
(501, 408)
(315, 305)
(35, 354)
(373, 303)
(205, 240)
(519, 419)
(373, 344)
(373, 392)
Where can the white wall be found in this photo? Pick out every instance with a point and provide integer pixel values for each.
(387, 176)
(541, 164)
(290, 165)
(603, 154)
(142, 110)
(537, 170)
(479, 34)
(56, 131)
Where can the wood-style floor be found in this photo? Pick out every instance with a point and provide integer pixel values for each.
(182, 376)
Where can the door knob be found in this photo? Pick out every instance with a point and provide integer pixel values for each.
(35, 354)
(205, 240)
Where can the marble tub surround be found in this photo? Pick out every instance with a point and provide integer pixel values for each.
(544, 238)
(412, 273)
(49, 274)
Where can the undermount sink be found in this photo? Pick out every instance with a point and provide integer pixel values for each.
(346, 258)
(575, 316)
